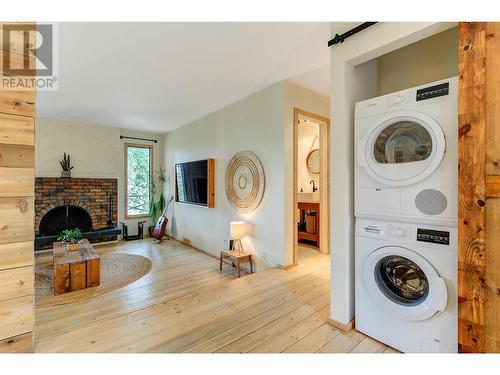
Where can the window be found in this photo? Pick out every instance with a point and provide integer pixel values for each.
(138, 169)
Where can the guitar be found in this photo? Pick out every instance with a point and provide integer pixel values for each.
(161, 224)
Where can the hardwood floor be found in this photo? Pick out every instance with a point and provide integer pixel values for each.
(186, 305)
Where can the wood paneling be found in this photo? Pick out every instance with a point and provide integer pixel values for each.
(16, 130)
(479, 187)
(492, 186)
(18, 102)
(17, 182)
(16, 60)
(471, 122)
(14, 255)
(16, 221)
(16, 282)
(493, 99)
(17, 156)
(492, 207)
(17, 39)
(18, 344)
(17, 316)
(492, 305)
(17, 177)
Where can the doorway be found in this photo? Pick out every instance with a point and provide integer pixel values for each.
(311, 235)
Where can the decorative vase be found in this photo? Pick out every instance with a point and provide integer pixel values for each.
(66, 174)
(73, 246)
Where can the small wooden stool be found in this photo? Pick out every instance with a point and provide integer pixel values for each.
(235, 258)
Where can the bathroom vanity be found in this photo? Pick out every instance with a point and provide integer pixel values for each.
(310, 215)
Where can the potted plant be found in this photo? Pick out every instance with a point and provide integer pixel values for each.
(157, 203)
(72, 238)
(66, 166)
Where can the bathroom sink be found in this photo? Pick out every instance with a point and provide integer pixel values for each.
(308, 197)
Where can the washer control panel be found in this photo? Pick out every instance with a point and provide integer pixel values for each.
(401, 232)
(433, 236)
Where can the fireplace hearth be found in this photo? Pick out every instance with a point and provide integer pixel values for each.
(89, 204)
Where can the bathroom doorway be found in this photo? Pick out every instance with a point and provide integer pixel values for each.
(311, 185)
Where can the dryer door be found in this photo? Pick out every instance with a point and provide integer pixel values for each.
(402, 148)
(404, 283)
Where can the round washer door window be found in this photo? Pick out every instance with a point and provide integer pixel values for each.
(402, 149)
(404, 283)
(401, 280)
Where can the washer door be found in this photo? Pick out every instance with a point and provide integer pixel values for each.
(402, 148)
(404, 283)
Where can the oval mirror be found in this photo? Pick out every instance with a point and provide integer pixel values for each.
(312, 161)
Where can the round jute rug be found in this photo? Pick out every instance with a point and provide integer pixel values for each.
(117, 271)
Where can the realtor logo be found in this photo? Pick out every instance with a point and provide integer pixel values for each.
(29, 56)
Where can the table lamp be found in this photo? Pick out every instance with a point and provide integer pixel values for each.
(237, 233)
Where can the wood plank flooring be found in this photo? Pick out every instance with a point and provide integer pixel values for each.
(186, 305)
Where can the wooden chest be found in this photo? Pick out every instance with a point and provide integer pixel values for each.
(75, 269)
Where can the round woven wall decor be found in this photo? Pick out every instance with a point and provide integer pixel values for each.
(245, 181)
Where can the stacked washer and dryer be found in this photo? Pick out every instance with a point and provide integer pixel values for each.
(406, 218)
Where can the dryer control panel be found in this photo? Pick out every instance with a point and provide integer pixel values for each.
(433, 236)
(433, 91)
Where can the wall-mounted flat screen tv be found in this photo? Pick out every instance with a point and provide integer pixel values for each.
(195, 182)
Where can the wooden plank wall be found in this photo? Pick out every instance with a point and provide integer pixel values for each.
(17, 176)
(479, 187)
(492, 217)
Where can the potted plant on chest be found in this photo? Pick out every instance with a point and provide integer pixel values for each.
(66, 166)
(72, 238)
(157, 203)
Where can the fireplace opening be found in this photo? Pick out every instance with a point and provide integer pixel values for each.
(65, 217)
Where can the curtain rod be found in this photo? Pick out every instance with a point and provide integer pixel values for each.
(139, 139)
(340, 38)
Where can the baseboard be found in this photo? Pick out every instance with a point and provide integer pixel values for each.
(341, 326)
(105, 243)
(194, 247)
(244, 267)
(287, 267)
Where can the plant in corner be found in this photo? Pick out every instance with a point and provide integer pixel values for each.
(66, 165)
(71, 237)
(157, 198)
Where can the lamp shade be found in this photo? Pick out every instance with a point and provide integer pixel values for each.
(237, 230)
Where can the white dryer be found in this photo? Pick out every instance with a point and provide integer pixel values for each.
(406, 285)
(406, 155)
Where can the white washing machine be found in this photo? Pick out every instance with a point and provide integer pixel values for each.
(406, 285)
(406, 155)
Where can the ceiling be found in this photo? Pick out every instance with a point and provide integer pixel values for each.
(317, 80)
(158, 76)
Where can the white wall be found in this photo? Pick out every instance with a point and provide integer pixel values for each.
(96, 152)
(255, 124)
(307, 140)
(428, 60)
(262, 123)
(350, 83)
